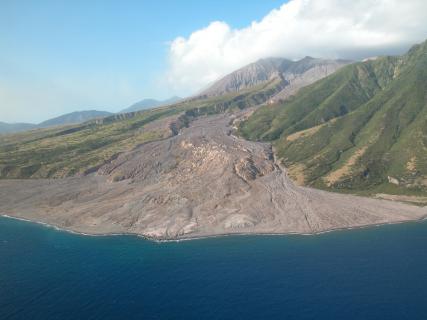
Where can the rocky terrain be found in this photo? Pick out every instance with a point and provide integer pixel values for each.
(203, 181)
(293, 75)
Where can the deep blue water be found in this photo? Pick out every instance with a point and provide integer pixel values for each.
(375, 273)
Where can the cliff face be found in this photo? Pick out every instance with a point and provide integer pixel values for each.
(305, 72)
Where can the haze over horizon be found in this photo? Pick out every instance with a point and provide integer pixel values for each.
(57, 58)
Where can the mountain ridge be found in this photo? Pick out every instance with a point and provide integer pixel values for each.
(361, 129)
(6, 127)
(289, 76)
(150, 103)
(293, 74)
(74, 118)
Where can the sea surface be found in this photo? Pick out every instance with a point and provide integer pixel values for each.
(373, 273)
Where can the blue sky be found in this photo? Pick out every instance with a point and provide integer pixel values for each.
(61, 56)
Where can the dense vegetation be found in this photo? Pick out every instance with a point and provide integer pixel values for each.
(364, 128)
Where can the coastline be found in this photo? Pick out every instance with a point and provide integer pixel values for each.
(202, 237)
(239, 188)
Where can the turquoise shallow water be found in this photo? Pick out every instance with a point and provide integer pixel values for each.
(374, 273)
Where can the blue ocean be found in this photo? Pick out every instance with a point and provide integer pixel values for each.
(373, 273)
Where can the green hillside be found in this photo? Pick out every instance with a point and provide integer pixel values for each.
(362, 129)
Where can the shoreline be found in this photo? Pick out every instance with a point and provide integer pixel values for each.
(249, 191)
(156, 240)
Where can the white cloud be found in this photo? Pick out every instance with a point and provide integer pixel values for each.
(321, 28)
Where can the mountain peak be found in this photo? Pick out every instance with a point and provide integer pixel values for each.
(271, 69)
(149, 103)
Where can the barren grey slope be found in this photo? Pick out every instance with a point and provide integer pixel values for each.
(247, 77)
(293, 74)
(202, 182)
